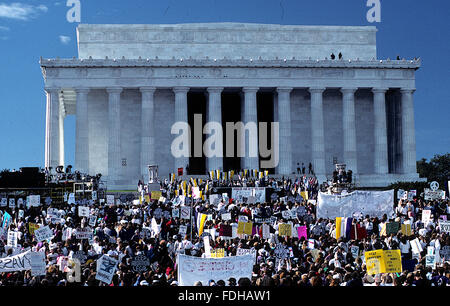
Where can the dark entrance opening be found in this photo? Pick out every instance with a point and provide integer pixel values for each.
(265, 114)
(231, 112)
(196, 105)
(394, 126)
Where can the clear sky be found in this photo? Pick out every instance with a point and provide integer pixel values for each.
(33, 28)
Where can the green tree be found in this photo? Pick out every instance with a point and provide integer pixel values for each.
(437, 169)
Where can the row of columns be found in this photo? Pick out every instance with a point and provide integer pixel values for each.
(54, 150)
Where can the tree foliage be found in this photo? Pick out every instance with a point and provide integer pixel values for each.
(437, 169)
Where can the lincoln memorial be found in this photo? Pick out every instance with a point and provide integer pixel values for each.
(131, 83)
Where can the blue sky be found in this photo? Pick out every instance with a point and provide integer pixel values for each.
(33, 28)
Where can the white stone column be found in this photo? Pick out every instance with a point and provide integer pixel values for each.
(284, 119)
(349, 129)
(62, 116)
(114, 158)
(380, 131)
(181, 115)
(52, 156)
(147, 131)
(317, 132)
(408, 132)
(215, 115)
(250, 116)
(82, 131)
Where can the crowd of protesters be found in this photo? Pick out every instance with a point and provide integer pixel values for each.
(126, 230)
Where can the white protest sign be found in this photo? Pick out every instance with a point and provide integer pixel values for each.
(67, 233)
(182, 230)
(18, 262)
(416, 247)
(71, 199)
(110, 199)
(106, 267)
(226, 216)
(185, 212)
(243, 219)
(94, 195)
(207, 247)
(12, 203)
(266, 231)
(34, 200)
(286, 214)
(83, 211)
(214, 199)
(85, 233)
(444, 226)
(92, 220)
(355, 251)
(175, 213)
(20, 202)
(4, 202)
(430, 261)
(12, 238)
(192, 269)
(43, 233)
(426, 216)
(37, 262)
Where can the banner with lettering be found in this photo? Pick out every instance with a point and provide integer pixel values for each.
(383, 261)
(372, 203)
(192, 269)
(18, 262)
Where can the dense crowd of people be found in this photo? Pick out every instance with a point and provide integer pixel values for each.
(127, 230)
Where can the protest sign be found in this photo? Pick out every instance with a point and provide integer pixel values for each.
(354, 251)
(426, 216)
(445, 252)
(20, 202)
(416, 247)
(431, 195)
(242, 219)
(155, 195)
(376, 204)
(242, 194)
(301, 230)
(263, 220)
(140, 264)
(206, 246)
(226, 216)
(18, 262)
(406, 229)
(285, 229)
(12, 203)
(3, 202)
(43, 233)
(37, 263)
(12, 239)
(182, 230)
(83, 211)
(245, 228)
(193, 269)
(32, 227)
(444, 226)
(392, 228)
(430, 261)
(185, 212)
(110, 199)
(286, 214)
(175, 213)
(34, 200)
(218, 253)
(265, 231)
(92, 220)
(84, 233)
(383, 261)
(67, 233)
(106, 267)
(214, 199)
(71, 199)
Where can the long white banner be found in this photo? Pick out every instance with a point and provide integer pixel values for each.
(18, 262)
(192, 269)
(249, 194)
(372, 203)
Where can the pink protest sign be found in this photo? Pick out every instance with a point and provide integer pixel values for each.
(301, 230)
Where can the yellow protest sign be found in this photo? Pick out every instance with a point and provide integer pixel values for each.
(155, 195)
(304, 195)
(406, 229)
(381, 261)
(218, 253)
(285, 229)
(245, 228)
(32, 227)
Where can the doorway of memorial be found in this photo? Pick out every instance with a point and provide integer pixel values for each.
(231, 112)
(196, 101)
(265, 103)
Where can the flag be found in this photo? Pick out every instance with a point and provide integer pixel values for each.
(201, 219)
(218, 174)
